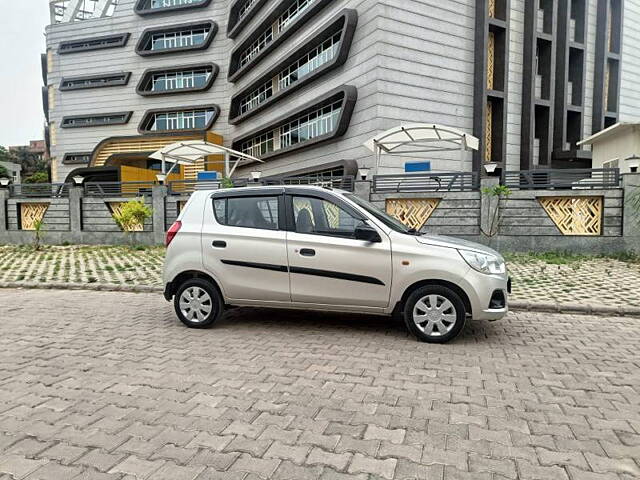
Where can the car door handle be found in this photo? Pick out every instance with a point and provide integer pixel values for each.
(218, 244)
(307, 252)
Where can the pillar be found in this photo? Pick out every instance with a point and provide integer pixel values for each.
(158, 197)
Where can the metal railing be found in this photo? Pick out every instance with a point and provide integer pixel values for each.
(44, 190)
(118, 189)
(575, 178)
(343, 183)
(179, 187)
(426, 182)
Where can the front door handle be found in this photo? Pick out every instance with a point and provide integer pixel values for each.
(307, 252)
(218, 244)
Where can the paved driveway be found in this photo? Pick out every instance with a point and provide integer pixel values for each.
(107, 385)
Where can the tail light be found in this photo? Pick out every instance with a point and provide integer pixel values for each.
(173, 230)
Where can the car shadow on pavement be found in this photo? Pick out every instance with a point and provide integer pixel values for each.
(330, 323)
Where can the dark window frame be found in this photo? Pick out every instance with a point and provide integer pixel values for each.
(143, 11)
(235, 24)
(145, 119)
(236, 71)
(126, 116)
(278, 195)
(146, 77)
(66, 159)
(93, 43)
(124, 80)
(349, 17)
(146, 34)
(349, 96)
(45, 101)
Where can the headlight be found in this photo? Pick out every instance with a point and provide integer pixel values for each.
(484, 262)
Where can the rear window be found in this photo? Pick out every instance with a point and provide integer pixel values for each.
(247, 212)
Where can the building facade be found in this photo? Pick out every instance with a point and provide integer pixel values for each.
(302, 84)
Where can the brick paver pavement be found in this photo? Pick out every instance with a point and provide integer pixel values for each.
(111, 386)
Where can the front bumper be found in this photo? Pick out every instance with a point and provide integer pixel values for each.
(481, 288)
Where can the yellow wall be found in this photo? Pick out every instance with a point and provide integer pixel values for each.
(135, 174)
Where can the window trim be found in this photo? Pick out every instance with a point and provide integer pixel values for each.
(279, 195)
(142, 11)
(126, 116)
(350, 19)
(153, 111)
(66, 47)
(65, 158)
(235, 24)
(144, 38)
(236, 71)
(145, 78)
(349, 96)
(117, 83)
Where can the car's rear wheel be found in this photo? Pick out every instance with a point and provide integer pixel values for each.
(198, 303)
(434, 314)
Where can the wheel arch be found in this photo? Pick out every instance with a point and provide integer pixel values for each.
(172, 287)
(443, 283)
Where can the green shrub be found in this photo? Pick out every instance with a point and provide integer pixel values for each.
(38, 177)
(132, 215)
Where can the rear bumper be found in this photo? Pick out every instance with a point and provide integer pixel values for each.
(168, 291)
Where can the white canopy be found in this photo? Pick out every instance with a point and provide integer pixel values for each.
(413, 138)
(421, 138)
(189, 152)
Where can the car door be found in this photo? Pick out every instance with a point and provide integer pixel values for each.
(244, 245)
(327, 265)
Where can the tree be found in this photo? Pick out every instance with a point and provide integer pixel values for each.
(31, 162)
(3, 171)
(5, 156)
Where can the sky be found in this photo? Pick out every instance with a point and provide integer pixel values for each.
(22, 41)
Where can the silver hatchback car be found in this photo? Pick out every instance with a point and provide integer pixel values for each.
(314, 248)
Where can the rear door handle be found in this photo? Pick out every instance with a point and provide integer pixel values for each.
(218, 244)
(307, 252)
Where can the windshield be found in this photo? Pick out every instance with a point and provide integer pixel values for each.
(388, 220)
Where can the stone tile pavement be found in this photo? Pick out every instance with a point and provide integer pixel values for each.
(594, 281)
(97, 385)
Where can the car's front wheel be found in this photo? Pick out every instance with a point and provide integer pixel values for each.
(198, 303)
(434, 314)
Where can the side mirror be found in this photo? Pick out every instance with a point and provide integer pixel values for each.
(367, 233)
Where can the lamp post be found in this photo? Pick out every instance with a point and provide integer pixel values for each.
(633, 162)
(77, 180)
(255, 176)
(4, 182)
(363, 172)
(161, 177)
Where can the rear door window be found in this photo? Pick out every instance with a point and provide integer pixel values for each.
(248, 212)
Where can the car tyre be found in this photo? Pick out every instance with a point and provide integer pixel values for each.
(198, 304)
(434, 314)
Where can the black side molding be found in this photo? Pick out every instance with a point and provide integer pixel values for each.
(306, 271)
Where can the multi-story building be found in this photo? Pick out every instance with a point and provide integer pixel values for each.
(302, 84)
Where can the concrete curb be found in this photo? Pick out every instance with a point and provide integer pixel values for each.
(97, 287)
(516, 306)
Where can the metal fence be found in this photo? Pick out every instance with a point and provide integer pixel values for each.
(574, 178)
(118, 189)
(426, 182)
(44, 190)
(179, 187)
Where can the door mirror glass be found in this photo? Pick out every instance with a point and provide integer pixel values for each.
(367, 233)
